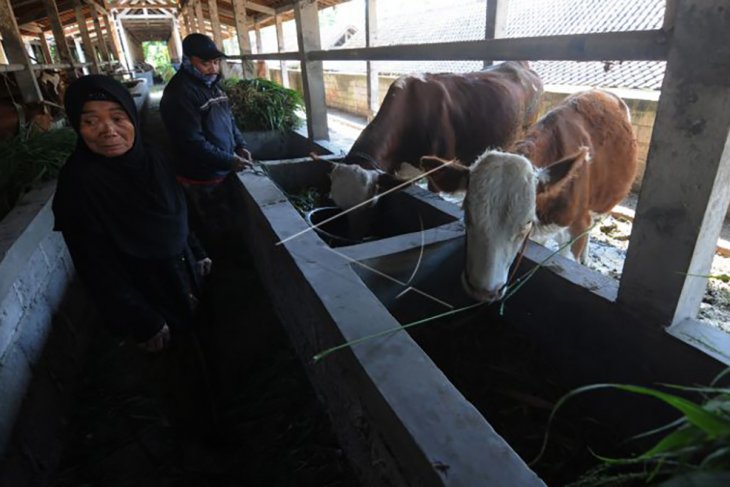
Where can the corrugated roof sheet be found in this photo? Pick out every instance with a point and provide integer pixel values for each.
(465, 20)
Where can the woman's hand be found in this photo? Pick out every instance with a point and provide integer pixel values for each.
(158, 342)
(204, 266)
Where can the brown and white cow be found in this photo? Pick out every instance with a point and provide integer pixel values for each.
(447, 115)
(579, 160)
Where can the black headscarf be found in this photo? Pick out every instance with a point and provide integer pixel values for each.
(133, 198)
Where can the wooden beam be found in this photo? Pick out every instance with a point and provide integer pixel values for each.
(44, 47)
(244, 43)
(187, 22)
(199, 17)
(280, 45)
(116, 43)
(371, 33)
(307, 19)
(100, 42)
(62, 48)
(145, 5)
(650, 45)
(128, 54)
(686, 187)
(86, 43)
(495, 25)
(11, 68)
(260, 8)
(16, 54)
(215, 25)
(177, 41)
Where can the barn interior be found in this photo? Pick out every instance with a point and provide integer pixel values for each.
(333, 364)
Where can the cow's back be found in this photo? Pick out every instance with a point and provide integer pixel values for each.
(451, 115)
(600, 121)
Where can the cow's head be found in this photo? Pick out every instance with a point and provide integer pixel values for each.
(352, 185)
(500, 210)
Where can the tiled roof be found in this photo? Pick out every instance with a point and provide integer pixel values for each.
(464, 20)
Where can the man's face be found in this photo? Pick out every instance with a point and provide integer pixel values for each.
(206, 66)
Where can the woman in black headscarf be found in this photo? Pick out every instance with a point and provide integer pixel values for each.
(124, 218)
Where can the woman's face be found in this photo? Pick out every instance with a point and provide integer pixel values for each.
(106, 128)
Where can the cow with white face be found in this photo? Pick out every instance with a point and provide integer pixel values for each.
(579, 160)
(448, 115)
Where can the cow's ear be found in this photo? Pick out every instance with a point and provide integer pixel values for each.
(447, 176)
(560, 173)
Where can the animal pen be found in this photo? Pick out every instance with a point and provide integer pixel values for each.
(400, 407)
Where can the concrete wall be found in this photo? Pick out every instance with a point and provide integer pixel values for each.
(35, 275)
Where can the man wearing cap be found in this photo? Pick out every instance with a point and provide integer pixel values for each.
(198, 118)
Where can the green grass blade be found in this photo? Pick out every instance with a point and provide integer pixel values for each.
(712, 424)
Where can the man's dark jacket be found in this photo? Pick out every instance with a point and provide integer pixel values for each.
(201, 127)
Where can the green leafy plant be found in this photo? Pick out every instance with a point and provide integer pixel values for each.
(260, 104)
(29, 158)
(692, 450)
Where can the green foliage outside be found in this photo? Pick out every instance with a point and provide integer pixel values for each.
(29, 158)
(690, 451)
(260, 104)
(157, 55)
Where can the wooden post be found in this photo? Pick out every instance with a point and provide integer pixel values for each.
(371, 29)
(64, 52)
(100, 42)
(87, 45)
(244, 44)
(44, 47)
(128, 55)
(307, 18)
(686, 187)
(280, 44)
(116, 42)
(186, 20)
(496, 23)
(215, 25)
(262, 69)
(16, 54)
(176, 40)
(199, 17)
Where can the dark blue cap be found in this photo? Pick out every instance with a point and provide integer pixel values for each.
(201, 46)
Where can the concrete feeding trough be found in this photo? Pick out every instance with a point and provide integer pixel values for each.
(397, 416)
(392, 398)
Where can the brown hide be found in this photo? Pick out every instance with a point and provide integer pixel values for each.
(35, 114)
(595, 120)
(449, 116)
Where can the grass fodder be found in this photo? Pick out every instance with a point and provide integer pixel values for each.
(30, 158)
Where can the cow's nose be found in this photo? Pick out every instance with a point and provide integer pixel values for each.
(483, 295)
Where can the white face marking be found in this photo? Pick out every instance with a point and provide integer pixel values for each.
(499, 211)
(351, 185)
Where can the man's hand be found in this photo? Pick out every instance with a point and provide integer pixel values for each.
(204, 266)
(157, 342)
(244, 153)
(239, 163)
